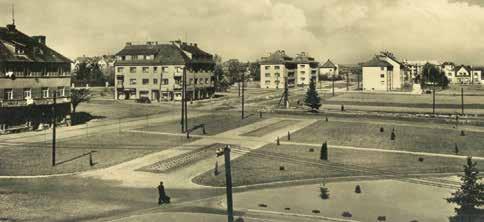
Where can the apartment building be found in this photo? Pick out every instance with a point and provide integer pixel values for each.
(154, 70)
(415, 67)
(30, 73)
(385, 72)
(276, 69)
(307, 69)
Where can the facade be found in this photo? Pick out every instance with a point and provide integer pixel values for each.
(329, 69)
(276, 69)
(30, 73)
(463, 74)
(307, 69)
(415, 68)
(154, 71)
(449, 70)
(377, 75)
(388, 78)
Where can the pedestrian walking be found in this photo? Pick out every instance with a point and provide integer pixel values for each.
(162, 197)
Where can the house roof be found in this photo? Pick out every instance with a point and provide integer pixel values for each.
(328, 64)
(165, 54)
(278, 57)
(377, 62)
(467, 68)
(34, 51)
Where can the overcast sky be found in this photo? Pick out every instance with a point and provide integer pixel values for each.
(347, 31)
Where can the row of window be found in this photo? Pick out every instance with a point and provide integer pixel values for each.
(146, 69)
(136, 57)
(165, 81)
(8, 94)
(29, 73)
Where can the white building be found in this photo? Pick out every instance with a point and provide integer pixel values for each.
(276, 69)
(385, 72)
(329, 69)
(307, 69)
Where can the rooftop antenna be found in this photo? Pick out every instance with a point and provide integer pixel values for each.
(13, 14)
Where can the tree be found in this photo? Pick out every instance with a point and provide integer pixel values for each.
(312, 99)
(471, 193)
(324, 152)
(432, 75)
(254, 69)
(78, 96)
(324, 192)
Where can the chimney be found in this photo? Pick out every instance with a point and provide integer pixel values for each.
(195, 44)
(148, 43)
(39, 39)
(11, 27)
(128, 44)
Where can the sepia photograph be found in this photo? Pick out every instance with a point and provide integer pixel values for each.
(242, 110)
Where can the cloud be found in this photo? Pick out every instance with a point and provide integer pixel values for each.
(347, 31)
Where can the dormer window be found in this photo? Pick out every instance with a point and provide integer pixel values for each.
(19, 51)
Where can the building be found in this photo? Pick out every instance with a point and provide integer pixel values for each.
(385, 72)
(415, 67)
(329, 69)
(154, 70)
(449, 70)
(30, 74)
(307, 69)
(276, 69)
(477, 75)
(463, 75)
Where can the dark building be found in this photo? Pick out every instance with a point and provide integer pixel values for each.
(30, 73)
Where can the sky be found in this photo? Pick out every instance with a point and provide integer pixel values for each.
(345, 31)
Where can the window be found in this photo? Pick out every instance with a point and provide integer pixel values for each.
(191, 81)
(61, 91)
(155, 69)
(276, 67)
(302, 78)
(27, 93)
(8, 95)
(45, 92)
(164, 69)
(144, 94)
(268, 75)
(382, 68)
(135, 57)
(146, 69)
(277, 74)
(302, 66)
(164, 82)
(206, 80)
(132, 81)
(120, 69)
(267, 67)
(313, 72)
(132, 69)
(268, 82)
(302, 72)
(382, 75)
(155, 81)
(179, 69)
(146, 81)
(196, 81)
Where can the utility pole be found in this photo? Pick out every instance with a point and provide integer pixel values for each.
(228, 182)
(347, 82)
(185, 100)
(433, 94)
(333, 83)
(243, 89)
(182, 120)
(54, 124)
(462, 99)
(286, 93)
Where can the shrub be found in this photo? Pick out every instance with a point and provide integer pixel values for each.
(311, 150)
(262, 205)
(381, 218)
(346, 214)
(420, 159)
(287, 208)
(316, 211)
(324, 192)
(282, 168)
(357, 189)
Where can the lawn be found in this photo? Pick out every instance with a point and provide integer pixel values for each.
(72, 153)
(116, 110)
(214, 123)
(411, 138)
(263, 165)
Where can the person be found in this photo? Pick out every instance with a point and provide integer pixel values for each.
(162, 197)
